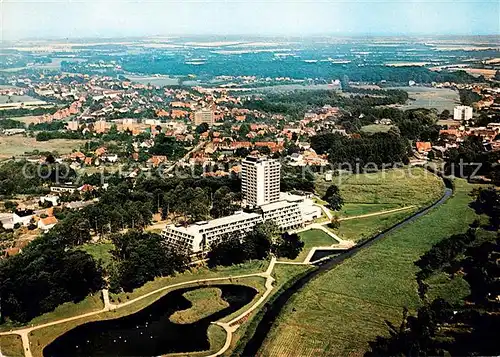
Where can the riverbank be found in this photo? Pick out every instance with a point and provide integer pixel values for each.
(355, 297)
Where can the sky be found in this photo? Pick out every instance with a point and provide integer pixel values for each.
(123, 18)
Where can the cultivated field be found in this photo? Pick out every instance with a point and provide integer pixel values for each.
(425, 97)
(339, 312)
(17, 99)
(18, 145)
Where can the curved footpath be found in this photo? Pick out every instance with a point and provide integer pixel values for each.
(274, 309)
(271, 313)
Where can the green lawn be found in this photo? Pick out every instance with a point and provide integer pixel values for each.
(358, 209)
(340, 311)
(454, 290)
(395, 187)
(11, 346)
(360, 229)
(313, 238)
(99, 251)
(376, 128)
(68, 309)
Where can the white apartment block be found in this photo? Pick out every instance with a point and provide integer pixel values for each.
(260, 181)
(198, 237)
(462, 112)
(204, 116)
(285, 214)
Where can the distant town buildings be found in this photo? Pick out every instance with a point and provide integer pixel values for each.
(204, 116)
(462, 112)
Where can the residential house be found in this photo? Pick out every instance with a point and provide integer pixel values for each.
(46, 224)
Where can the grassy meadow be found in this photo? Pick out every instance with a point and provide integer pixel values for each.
(339, 312)
(360, 229)
(18, 145)
(384, 190)
(313, 238)
(205, 302)
(11, 346)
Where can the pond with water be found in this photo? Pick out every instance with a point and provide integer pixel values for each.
(149, 332)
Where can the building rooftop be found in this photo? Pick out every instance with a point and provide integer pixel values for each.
(236, 217)
(277, 205)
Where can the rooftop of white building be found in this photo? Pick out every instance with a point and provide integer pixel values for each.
(277, 205)
(234, 218)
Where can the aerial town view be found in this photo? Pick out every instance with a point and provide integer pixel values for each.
(249, 178)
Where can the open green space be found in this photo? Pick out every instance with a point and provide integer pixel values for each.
(360, 229)
(99, 251)
(18, 145)
(313, 238)
(205, 302)
(452, 289)
(383, 190)
(339, 312)
(426, 97)
(283, 274)
(11, 346)
(358, 209)
(89, 304)
(376, 128)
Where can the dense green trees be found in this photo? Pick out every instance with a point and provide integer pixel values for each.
(296, 179)
(333, 198)
(488, 202)
(140, 257)
(468, 97)
(168, 146)
(22, 177)
(288, 245)
(472, 159)
(265, 239)
(10, 124)
(44, 276)
(21, 112)
(378, 149)
(223, 202)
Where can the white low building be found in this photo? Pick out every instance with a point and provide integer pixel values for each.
(198, 237)
(54, 200)
(308, 209)
(285, 214)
